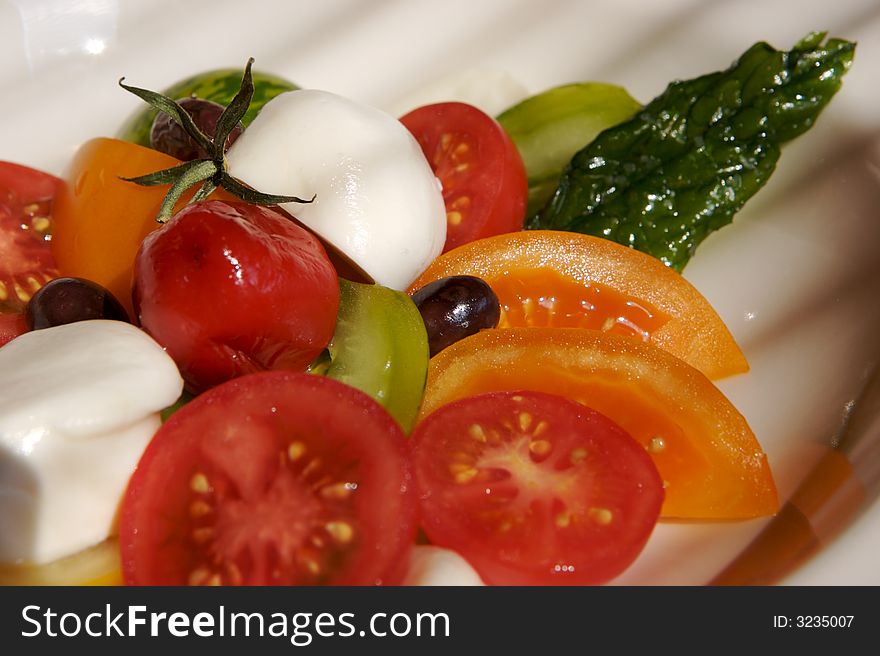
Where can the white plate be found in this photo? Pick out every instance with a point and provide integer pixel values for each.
(797, 277)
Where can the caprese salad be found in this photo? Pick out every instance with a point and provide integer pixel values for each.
(270, 335)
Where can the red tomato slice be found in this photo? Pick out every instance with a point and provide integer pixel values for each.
(534, 489)
(484, 180)
(11, 326)
(275, 478)
(26, 263)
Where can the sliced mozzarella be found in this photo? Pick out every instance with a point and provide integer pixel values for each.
(430, 565)
(376, 198)
(80, 403)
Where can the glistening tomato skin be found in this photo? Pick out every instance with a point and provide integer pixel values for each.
(277, 478)
(534, 489)
(229, 288)
(483, 177)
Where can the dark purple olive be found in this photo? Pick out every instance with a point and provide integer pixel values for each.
(67, 300)
(168, 137)
(455, 307)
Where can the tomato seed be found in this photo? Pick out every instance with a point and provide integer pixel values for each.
(41, 224)
(337, 491)
(341, 532)
(23, 296)
(309, 562)
(295, 451)
(198, 576)
(199, 483)
(578, 456)
(462, 473)
(476, 431)
(540, 447)
(461, 203)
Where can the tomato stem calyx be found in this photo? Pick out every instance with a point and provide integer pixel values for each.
(212, 172)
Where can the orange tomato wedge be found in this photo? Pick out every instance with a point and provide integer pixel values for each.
(98, 565)
(100, 220)
(711, 464)
(551, 278)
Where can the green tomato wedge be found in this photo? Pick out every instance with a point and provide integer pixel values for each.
(219, 86)
(380, 347)
(549, 128)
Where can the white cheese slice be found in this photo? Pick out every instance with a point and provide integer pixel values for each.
(79, 404)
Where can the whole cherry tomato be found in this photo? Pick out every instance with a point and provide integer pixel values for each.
(230, 288)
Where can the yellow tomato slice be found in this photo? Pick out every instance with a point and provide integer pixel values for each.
(710, 462)
(100, 219)
(551, 278)
(98, 565)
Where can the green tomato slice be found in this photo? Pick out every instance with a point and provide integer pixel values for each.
(549, 128)
(380, 347)
(219, 86)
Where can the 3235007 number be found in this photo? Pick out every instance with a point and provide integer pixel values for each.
(813, 621)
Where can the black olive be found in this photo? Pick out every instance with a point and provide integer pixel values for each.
(67, 300)
(455, 307)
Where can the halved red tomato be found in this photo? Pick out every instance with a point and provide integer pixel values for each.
(26, 263)
(534, 489)
(275, 478)
(483, 176)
